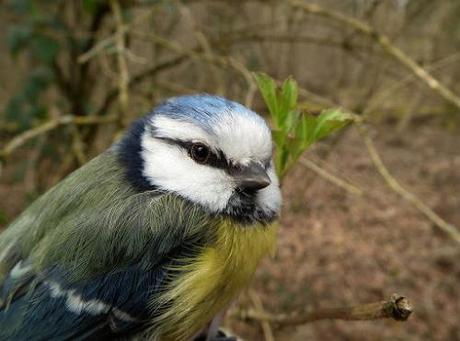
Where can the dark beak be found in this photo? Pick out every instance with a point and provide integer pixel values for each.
(252, 177)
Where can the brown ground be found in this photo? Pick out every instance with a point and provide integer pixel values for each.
(338, 249)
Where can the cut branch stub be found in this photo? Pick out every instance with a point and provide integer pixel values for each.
(398, 308)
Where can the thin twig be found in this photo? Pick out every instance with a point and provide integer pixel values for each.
(449, 229)
(222, 61)
(26, 136)
(103, 44)
(386, 46)
(202, 41)
(30, 177)
(397, 308)
(123, 76)
(266, 328)
(393, 184)
(97, 49)
(135, 80)
(289, 39)
(331, 177)
(389, 91)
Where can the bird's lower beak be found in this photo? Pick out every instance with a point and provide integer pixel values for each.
(252, 177)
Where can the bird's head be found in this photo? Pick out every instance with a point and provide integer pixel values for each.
(208, 150)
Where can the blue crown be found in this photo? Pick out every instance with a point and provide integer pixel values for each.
(203, 109)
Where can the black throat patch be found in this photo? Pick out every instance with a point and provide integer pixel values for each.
(242, 207)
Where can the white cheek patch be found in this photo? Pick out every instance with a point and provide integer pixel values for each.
(169, 167)
(269, 198)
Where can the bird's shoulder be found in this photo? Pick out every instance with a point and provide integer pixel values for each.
(93, 221)
(90, 247)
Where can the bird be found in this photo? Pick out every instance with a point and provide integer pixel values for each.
(152, 238)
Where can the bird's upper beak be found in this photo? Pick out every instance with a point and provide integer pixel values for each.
(252, 177)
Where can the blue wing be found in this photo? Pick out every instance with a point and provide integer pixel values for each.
(146, 234)
(46, 307)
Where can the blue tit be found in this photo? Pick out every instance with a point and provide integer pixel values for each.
(153, 237)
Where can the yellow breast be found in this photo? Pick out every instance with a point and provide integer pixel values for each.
(211, 281)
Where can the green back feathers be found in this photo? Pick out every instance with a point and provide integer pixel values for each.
(93, 220)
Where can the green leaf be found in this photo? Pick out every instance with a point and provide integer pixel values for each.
(37, 82)
(278, 137)
(44, 48)
(90, 6)
(293, 131)
(328, 122)
(22, 6)
(290, 122)
(281, 160)
(18, 38)
(267, 87)
(25, 105)
(304, 130)
(288, 98)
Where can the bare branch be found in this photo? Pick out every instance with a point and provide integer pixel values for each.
(266, 328)
(331, 177)
(386, 46)
(449, 229)
(26, 136)
(397, 308)
(123, 76)
(150, 72)
(222, 61)
(388, 92)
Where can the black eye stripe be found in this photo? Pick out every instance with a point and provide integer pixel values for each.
(216, 160)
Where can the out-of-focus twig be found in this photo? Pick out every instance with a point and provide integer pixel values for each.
(384, 42)
(331, 177)
(98, 48)
(388, 92)
(222, 61)
(30, 176)
(105, 43)
(289, 39)
(148, 73)
(203, 42)
(266, 328)
(123, 76)
(26, 136)
(397, 308)
(449, 229)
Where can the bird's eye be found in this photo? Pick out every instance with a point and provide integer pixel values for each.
(199, 152)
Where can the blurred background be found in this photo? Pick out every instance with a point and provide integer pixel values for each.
(74, 74)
